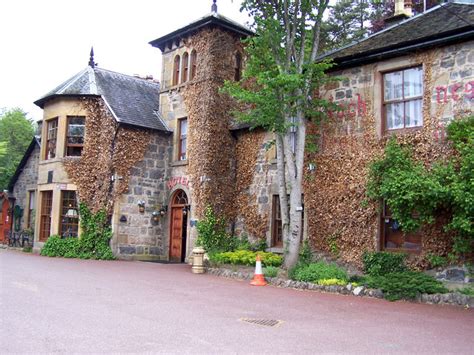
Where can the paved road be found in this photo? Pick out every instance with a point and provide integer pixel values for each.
(61, 305)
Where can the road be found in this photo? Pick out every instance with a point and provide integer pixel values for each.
(51, 305)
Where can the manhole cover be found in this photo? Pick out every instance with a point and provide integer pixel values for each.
(264, 322)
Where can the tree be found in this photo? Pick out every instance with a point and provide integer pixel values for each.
(278, 85)
(346, 23)
(16, 132)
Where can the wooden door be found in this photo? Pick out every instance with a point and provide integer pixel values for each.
(176, 233)
(5, 220)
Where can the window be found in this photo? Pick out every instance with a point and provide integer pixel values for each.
(69, 215)
(75, 135)
(51, 138)
(30, 224)
(176, 70)
(403, 91)
(193, 65)
(183, 130)
(237, 66)
(184, 76)
(392, 238)
(277, 231)
(45, 223)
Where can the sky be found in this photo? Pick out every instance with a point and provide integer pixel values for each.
(45, 42)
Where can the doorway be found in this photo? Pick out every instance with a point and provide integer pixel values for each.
(5, 219)
(178, 226)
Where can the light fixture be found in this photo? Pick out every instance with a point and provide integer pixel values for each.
(141, 206)
(186, 209)
(72, 213)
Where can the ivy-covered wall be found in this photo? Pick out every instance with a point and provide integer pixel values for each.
(340, 217)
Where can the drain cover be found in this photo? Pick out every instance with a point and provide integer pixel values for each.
(264, 322)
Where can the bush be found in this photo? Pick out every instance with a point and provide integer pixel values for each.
(468, 291)
(436, 260)
(243, 243)
(245, 257)
(332, 282)
(317, 271)
(270, 271)
(381, 263)
(306, 256)
(93, 243)
(405, 285)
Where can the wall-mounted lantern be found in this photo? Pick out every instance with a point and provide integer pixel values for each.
(141, 206)
(161, 212)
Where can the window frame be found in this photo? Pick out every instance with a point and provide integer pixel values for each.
(403, 100)
(31, 208)
(73, 145)
(50, 131)
(386, 215)
(185, 67)
(193, 64)
(181, 139)
(46, 215)
(68, 222)
(176, 69)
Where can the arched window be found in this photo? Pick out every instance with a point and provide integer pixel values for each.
(237, 66)
(176, 70)
(193, 64)
(184, 76)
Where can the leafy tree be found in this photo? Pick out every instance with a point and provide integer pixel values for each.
(278, 86)
(16, 132)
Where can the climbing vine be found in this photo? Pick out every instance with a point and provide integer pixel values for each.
(416, 194)
(110, 150)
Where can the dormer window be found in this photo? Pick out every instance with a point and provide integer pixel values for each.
(176, 70)
(193, 65)
(184, 76)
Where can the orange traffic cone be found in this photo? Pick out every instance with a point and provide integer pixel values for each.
(258, 279)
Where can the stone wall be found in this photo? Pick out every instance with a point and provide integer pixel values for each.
(27, 181)
(136, 234)
(340, 218)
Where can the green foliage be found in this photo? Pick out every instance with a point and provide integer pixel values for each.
(468, 291)
(93, 243)
(270, 271)
(415, 194)
(16, 133)
(332, 282)
(245, 257)
(405, 285)
(436, 260)
(306, 255)
(333, 246)
(212, 235)
(243, 243)
(381, 263)
(317, 271)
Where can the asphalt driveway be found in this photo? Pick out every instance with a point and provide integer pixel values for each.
(50, 305)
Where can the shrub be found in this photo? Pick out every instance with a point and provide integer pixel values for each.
(306, 256)
(381, 263)
(270, 271)
(405, 285)
(317, 271)
(245, 257)
(93, 243)
(436, 260)
(332, 282)
(468, 291)
(243, 243)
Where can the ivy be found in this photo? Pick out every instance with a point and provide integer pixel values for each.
(416, 194)
(92, 244)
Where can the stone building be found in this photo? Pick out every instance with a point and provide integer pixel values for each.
(156, 156)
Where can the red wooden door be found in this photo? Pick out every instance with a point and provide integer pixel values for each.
(176, 233)
(5, 221)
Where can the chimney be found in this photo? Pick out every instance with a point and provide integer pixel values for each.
(403, 10)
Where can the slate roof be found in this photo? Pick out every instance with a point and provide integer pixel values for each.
(443, 24)
(133, 101)
(35, 142)
(212, 19)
